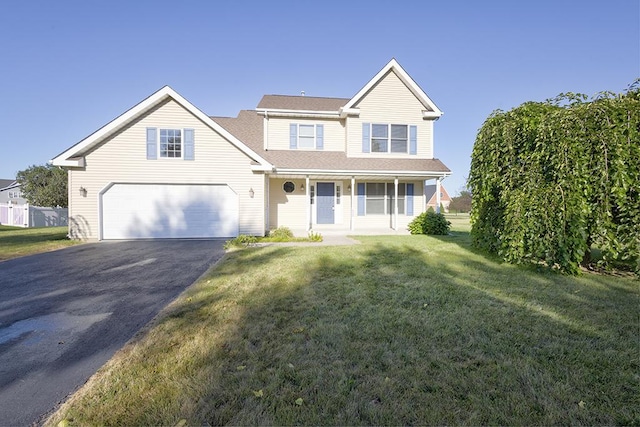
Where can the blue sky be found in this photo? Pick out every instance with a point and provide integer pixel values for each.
(69, 67)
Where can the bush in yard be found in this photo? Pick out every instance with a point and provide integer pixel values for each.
(281, 234)
(315, 236)
(430, 223)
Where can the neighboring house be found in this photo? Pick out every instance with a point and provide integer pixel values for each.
(431, 194)
(164, 169)
(16, 211)
(10, 192)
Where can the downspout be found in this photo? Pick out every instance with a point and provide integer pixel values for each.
(265, 130)
(307, 196)
(353, 205)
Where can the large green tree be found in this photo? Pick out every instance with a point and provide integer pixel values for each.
(553, 180)
(44, 185)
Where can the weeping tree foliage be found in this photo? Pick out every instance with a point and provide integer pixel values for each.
(553, 180)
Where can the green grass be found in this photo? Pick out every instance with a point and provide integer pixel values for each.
(16, 241)
(399, 330)
(459, 222)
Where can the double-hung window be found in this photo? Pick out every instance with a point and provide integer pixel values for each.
(389, 138)
(306, 136)
(171, 143)
(379, 138)
(168, 143)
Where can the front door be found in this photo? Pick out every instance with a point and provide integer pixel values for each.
(325, 197)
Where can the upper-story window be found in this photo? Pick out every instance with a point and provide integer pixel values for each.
(306, 136)
(170, 143)
(388, 138)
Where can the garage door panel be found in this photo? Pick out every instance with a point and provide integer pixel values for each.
(132, 211)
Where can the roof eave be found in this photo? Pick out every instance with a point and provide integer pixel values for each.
(288, 112)
(66, 158)
(404, 173)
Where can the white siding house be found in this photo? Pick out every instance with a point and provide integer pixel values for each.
(164, 169)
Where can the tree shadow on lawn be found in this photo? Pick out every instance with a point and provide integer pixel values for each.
(386, 333)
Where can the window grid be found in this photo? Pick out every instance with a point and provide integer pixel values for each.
(171, 143)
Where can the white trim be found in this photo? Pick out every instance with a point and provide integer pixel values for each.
(337, 219)
(315, 136)
(395, 204)
(434, 111)
(159, 143)
(307, 193)
(77, 162)
(389, 138)
(277, 112)
(438, 200)
(390, 173)
(354, 204)
(344, 112)
(65, 158)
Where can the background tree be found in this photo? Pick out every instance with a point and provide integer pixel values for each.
(44, 185)
(461, 202)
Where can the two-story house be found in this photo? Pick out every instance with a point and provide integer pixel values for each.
(165, 169)
(10, 192)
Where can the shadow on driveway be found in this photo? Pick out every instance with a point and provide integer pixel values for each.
(63, 314)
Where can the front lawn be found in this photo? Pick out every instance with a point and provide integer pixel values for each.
(399, 330)
(16, 241)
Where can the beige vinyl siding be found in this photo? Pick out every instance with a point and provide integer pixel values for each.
(278, 132)
(122, 158)
(288, 209)
(390, 102)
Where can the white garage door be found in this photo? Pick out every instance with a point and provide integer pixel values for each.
(161, 211)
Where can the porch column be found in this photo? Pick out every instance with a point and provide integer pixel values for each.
(307, 193)
(395, 204)
(353, 203)
(438, 195)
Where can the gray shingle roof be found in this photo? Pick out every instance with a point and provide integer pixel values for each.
(6, 182)
(301, 103)
(248, 128)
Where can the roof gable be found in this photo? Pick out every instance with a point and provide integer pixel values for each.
(431, 111)
(73, 157)
(430, 193)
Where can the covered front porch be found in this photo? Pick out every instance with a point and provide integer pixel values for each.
(333, 204)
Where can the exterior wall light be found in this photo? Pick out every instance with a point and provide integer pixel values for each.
(251, 193)
(83, 192)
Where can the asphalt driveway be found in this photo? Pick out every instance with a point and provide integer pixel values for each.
(63, 314)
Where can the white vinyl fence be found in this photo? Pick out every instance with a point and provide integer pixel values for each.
(32, 216)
